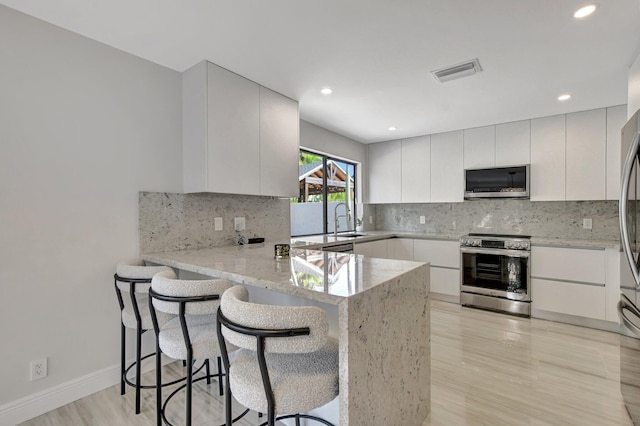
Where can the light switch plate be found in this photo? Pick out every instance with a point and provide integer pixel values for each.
(217, 224)
(587, 223)
(238, 223)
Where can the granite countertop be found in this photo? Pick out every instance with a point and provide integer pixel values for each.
(322, 276)
(320, 241)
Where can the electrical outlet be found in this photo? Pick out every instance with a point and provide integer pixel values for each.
(587, 223)
(239, 223)
(422, 220)
(39, 369)
(217, 224)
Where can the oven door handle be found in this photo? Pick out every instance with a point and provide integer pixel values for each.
(497, 252)
(623, 304)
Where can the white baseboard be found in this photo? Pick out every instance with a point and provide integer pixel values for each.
(42, 402)
(31, 406)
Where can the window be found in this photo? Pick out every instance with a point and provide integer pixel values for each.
(327, 188)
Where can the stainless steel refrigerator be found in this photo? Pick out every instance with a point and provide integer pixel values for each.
(628, 307)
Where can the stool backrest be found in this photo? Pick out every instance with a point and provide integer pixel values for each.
(236, 309)
(135, 270)
(166, 284)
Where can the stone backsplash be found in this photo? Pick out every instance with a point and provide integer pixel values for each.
(552, 219)
(170, 221)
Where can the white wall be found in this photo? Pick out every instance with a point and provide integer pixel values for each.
(83, 128)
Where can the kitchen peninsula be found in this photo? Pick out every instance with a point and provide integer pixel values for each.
(383, 319)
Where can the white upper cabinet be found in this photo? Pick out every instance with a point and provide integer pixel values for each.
(616, 118)
(279, 144)
(385, 176)
(547, 173)
(416, 170)
(238, 137)
(447, 167)
(513, 142)
(586, 155)
(479, 147)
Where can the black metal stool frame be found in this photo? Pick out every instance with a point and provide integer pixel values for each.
(261, 335)
(182, 302)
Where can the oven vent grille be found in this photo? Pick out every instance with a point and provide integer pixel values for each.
(463, 69)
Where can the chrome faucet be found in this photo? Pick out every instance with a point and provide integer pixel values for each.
(336, 217)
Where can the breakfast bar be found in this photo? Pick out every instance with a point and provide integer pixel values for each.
(383, 319)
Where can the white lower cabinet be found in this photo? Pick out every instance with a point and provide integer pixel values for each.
(445, 281)
(570, 282)
(444, 257)
(400, 248)
(372, 248)
(583, 300)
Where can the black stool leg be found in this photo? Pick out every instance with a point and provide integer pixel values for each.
(297, 419)
(138, 362)
(189, 384)
(208, 371)
(122, 360)
(220, 388)
(158, 385)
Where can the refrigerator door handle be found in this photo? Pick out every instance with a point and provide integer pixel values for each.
(626, 304)
(623, 207)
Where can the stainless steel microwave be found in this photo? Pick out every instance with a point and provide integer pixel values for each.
(497, 182)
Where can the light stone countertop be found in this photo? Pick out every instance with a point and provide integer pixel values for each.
(381, 304)
(322, 276)
(320, 241)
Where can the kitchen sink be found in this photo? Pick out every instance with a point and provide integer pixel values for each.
(352, 235)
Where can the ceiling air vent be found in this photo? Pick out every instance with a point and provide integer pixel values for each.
(457, 71)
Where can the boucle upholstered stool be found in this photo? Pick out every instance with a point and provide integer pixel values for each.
(286, 364)
(191, 334)
(132, 282)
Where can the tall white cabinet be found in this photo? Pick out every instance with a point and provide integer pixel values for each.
(548, 157)
(586, 155)
(238, 137)
(385, 179)
(447, 168)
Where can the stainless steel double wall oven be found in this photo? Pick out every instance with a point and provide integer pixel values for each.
(495, 272)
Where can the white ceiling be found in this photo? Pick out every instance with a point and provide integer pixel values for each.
(377, 54)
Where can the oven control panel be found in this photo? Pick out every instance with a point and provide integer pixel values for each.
(495, 242)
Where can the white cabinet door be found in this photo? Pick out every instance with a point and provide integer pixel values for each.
(447, 171)
(237, 137)
(385, 178)
(416, 170)
(437, 252)
(233, 133)
(513, 143)
(479, 147)
(586, 155)
(547, 172)
(568, 298)
(582, 265)
(372, 249)
(445, 281)
(279, 145)
(400, 248)
(616, 118)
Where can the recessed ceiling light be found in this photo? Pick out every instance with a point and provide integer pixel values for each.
(326, 91)
(564, 97)
(585, 11)
(392, 128)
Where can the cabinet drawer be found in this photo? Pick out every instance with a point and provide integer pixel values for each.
(580, 265)
(438, 253)
(582, 300)
(445, 281)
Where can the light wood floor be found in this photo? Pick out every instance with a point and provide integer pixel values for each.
(486, 369)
